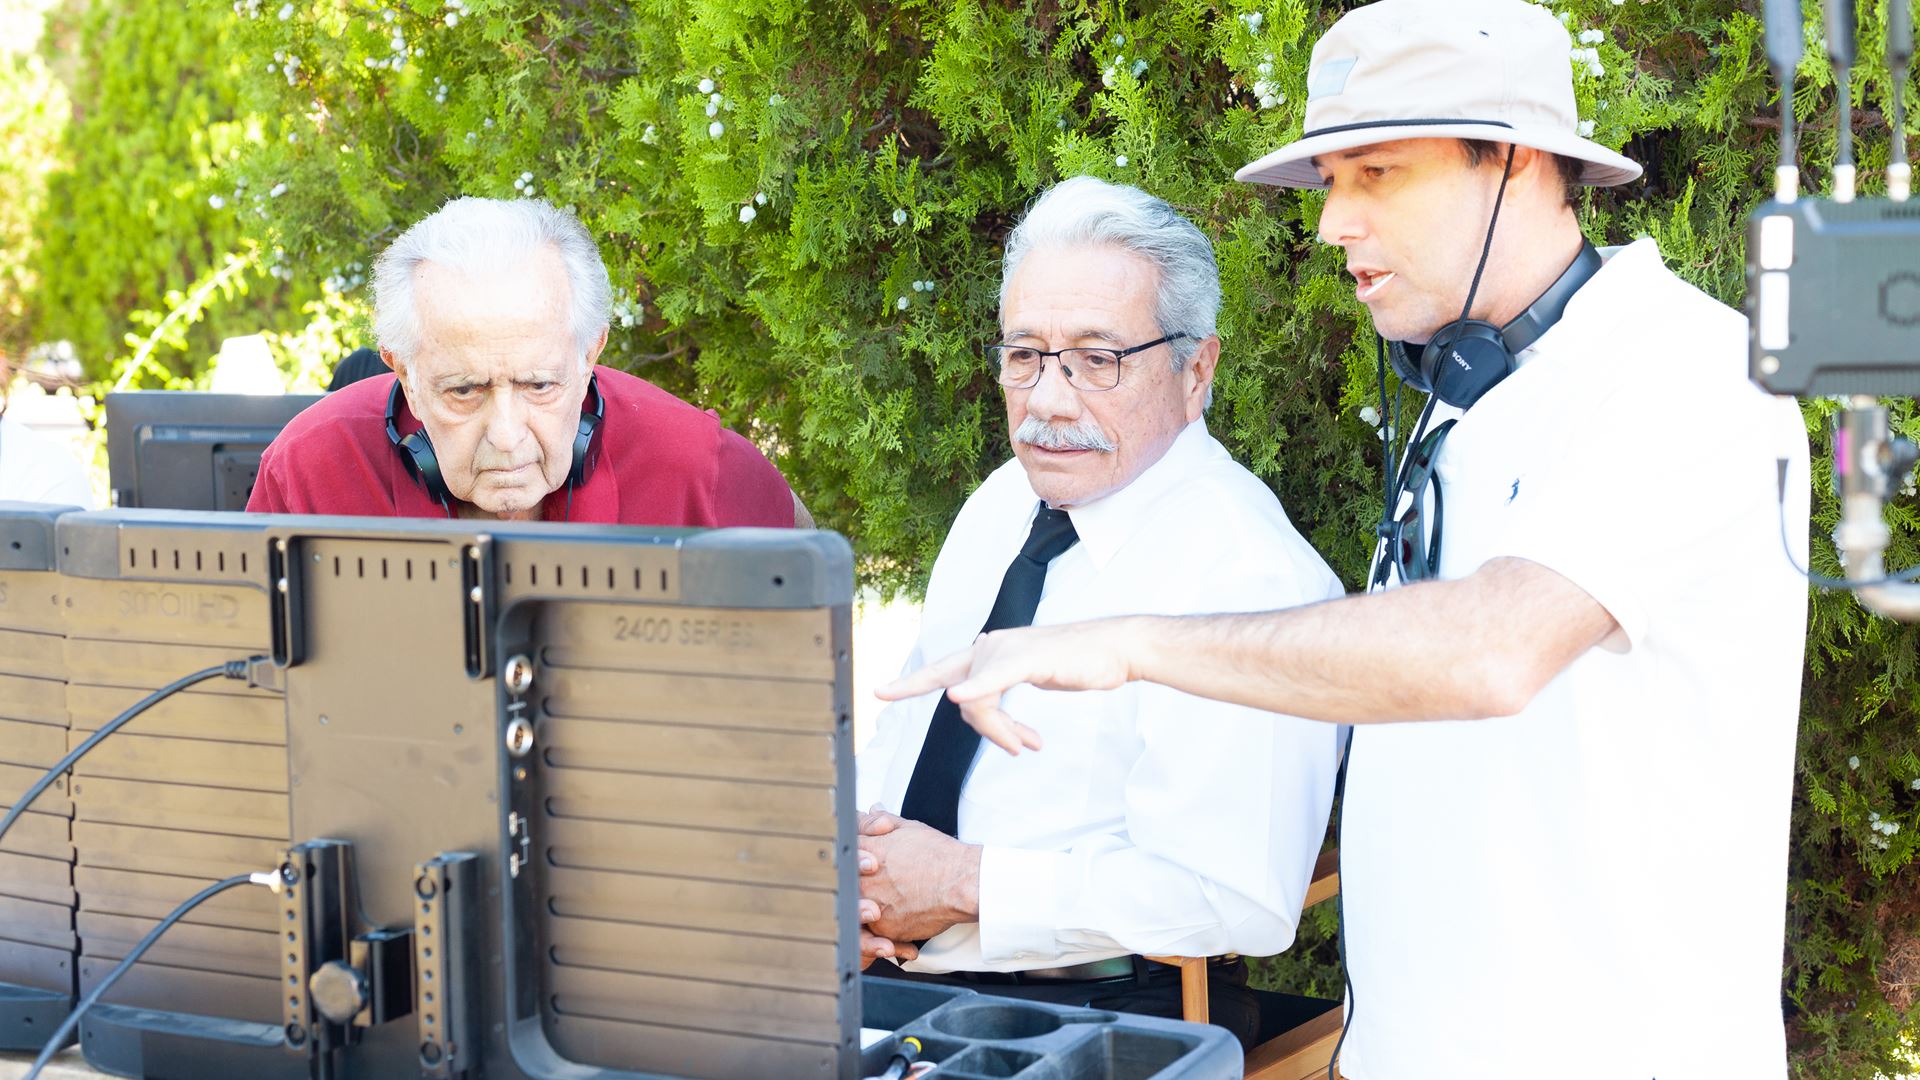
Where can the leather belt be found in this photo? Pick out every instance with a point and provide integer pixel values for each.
(1114, 967)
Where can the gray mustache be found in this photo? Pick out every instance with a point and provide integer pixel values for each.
(1082, 436)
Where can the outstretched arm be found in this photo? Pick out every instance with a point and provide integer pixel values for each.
(1476, 647)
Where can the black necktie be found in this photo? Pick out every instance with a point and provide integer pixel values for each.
(933, 795)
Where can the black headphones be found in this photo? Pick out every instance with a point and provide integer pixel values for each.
(416, 450)
(1469, 357)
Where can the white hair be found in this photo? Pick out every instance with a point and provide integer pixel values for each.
(1087, 210)
(489, 236)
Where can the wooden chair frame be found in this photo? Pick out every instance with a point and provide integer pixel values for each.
(1300, 1054)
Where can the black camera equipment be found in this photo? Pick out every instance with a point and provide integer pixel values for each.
(528, 802)
(1833, 297)
(191, 450)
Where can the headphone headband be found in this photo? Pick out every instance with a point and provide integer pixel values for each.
(416, 449)
(1547, 308)
(1465, 359)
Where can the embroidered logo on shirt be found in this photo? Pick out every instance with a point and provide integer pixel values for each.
(1515, 493)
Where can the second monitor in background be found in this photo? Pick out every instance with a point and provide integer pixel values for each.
(188, 450)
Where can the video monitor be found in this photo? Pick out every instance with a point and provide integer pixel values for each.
(582, 793)
(189, 450)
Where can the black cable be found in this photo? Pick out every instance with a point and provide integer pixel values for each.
(1486, 248)
(1348, 1006)
(232, 669)
(1840, 52)
(1389, 423)
(1784, 49)
(59, 1038)
(1910, 574)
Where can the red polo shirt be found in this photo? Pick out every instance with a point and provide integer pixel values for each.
(656, 461)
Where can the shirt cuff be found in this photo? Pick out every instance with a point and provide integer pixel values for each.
(1019, 904)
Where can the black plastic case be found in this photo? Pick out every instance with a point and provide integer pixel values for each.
(983, 1037)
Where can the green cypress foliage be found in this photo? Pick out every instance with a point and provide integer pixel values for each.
(802, 204)
(127, 223)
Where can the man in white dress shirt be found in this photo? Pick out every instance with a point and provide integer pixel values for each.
(1604, 654)
(1159, 823)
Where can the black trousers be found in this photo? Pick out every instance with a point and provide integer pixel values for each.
(1230, 1004)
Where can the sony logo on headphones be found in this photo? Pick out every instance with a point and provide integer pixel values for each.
(1461, 360)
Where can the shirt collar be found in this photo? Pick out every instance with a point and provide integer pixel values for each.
(1105, 524)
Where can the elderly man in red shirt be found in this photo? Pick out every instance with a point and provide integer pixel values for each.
(491, 314)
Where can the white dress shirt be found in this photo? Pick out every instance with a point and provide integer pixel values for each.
(1597, 886)
(1153, 821)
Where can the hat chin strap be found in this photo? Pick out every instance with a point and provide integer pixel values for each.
(1486, 247)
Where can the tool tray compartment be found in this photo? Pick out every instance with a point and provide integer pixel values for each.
(977, 1036)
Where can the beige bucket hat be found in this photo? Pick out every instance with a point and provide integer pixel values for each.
(1498, 70)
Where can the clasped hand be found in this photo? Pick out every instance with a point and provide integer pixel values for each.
(915, 882)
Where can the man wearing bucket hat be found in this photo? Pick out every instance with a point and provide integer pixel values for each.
(1580, 871)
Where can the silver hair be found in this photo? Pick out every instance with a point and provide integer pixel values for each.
(489, 236)
(1087, 210)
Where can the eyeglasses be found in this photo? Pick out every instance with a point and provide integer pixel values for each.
(1020, 366)
(1408, 551)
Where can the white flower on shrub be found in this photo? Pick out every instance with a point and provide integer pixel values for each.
(627, 311)
(216, 202)
(706, 86)
(286, 12)
(901, 303)
(747, 214)
(1586, 129)
(760, 198)
(278, 190)
(1120, 160)
(899, 215)
(716, 129)
(1370, 416)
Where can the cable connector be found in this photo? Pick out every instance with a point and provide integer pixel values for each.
(262, 673)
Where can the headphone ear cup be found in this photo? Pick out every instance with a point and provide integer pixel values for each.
(419, 449)
(1463, 365)
(591, 413)
(582, 444)
(1407, 368)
